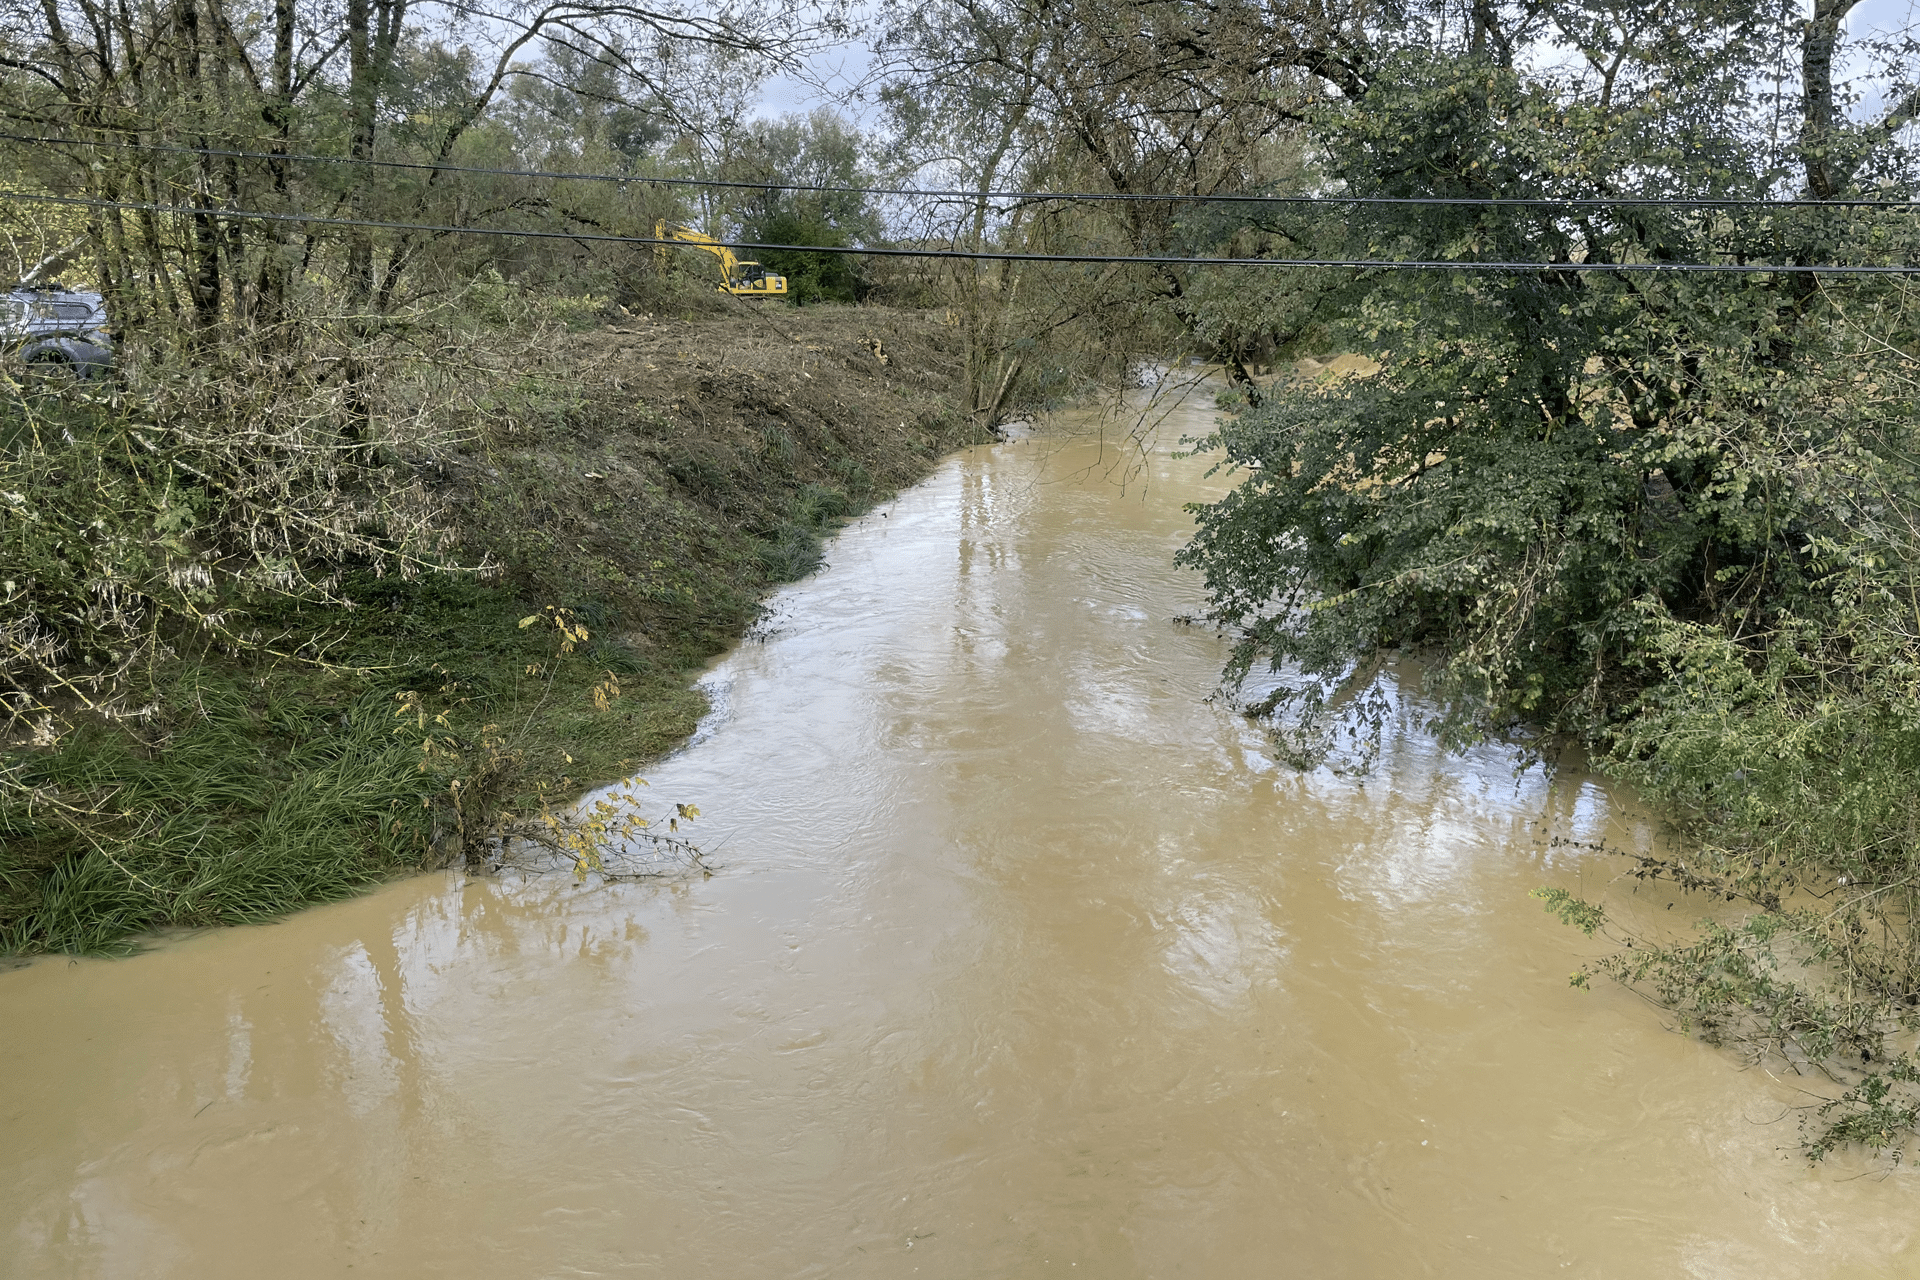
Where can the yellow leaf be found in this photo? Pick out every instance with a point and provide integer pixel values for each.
(529, 620)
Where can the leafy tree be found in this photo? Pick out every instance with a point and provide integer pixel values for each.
(1127, 97)
(820, 150)
(1670, 514)
(281, 386)
(811, 277)
(574, 109)
(359, 81)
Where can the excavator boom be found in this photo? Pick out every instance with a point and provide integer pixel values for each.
(741, 279)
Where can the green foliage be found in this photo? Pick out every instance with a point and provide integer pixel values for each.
(250, 789)
(792, 548)
(140, 519)
(496, 301)
(1746, 984)
(790, 552)
(819, 506)
(1871, 1114)
(1123, 98)
(218, 570)
(818, 150)
(216, 586)
(811, 277)
(597, 87)
(1584, 916)
(239, 812)
(1674, 516)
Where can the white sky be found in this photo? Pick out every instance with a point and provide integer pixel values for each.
(841, 68)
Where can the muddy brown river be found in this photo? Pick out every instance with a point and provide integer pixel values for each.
(1023, 959)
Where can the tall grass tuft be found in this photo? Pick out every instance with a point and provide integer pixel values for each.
(232, 822)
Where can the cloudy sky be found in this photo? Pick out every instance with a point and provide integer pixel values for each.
(841, 68)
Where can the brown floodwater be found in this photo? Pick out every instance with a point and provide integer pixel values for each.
(1023, 959)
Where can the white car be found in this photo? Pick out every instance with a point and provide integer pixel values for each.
(50, 327)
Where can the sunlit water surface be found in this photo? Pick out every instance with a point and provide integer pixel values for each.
(1023, 959)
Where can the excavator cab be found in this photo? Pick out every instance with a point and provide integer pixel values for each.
(741, 279)
(751, 280)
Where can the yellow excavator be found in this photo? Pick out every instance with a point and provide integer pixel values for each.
(741, 279)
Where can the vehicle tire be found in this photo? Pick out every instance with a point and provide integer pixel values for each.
(52, 364)
(90, 361)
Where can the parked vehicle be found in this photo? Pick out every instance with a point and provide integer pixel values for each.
(49, 327)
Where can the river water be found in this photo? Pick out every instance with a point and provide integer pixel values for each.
(1022, 959)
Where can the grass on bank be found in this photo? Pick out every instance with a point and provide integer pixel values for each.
(269, 747)
(258, 787)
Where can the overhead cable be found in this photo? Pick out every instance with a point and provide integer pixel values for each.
(983, 255)
(1238, 197)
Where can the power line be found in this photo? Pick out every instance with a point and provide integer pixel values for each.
(981, 255)
(1529, 202)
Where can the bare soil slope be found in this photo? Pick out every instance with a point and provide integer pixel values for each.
(690, 463)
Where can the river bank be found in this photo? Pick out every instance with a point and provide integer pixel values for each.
(645, 489)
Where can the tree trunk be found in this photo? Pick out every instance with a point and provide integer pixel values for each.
(203, 276)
